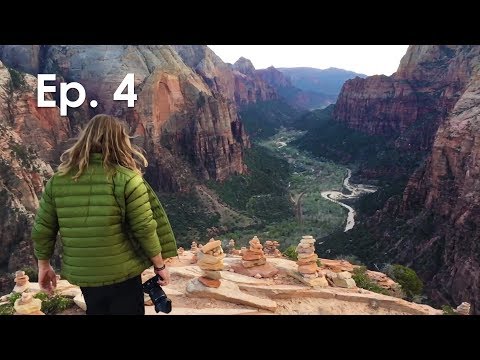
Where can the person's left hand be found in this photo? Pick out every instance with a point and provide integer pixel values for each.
(47, 279)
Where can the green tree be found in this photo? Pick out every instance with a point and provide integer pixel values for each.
(411, 284)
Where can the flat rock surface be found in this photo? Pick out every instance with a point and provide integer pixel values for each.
(266, 270)
(149, 310)
(80, 302)
(229, 291)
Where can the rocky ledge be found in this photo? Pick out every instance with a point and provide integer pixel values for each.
(287, 292)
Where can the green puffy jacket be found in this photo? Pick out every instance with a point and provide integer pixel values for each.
(109, 228)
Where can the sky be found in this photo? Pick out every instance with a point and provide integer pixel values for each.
(364, 59)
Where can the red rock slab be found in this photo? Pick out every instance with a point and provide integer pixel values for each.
(266, 270)
(336, 265)
(251, 255)
(308, 269)
(311, 259)
(209, 282)
(252, 263)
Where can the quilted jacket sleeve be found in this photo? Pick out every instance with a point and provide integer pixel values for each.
(45, 228)
(139, 216)
(164, 229)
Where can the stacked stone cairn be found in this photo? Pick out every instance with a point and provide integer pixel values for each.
(21, 282)
(307, 263)
(180, 250)
(270, 248)
(210, 260)
(28, 305)
(463, 309)
(194, 250)
(231, 246)
(307, 259)
(253, 256)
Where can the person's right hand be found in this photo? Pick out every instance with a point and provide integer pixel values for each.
(47, 278)
(165, 275)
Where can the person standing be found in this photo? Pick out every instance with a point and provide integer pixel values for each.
(110, 221)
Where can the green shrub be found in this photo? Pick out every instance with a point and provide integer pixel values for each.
(50, 305)
(291, 252)
(54, 304)
(32, 273)
(363, 281)
(319, 263)
(7, 309)
(448, 310)
(17, 79)
(408, 279)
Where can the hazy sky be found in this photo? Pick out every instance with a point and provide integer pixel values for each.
(365, 59)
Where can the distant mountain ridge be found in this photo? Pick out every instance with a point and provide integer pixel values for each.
(327, 82)
(296, 97)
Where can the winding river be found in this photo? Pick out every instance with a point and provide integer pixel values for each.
(356, 191)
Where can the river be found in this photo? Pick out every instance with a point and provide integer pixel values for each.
(356, 191)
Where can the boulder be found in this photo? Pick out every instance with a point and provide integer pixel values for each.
(344, 275)
(344, 283)
(80, 302)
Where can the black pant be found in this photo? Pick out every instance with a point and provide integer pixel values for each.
(125, 298)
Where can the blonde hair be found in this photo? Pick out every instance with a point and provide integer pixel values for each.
(107, 135)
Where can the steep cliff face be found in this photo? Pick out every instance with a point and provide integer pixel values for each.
(412, 102)
(25, 140)
(249, 87)
(449, 188)
(178, 117)
(432, 102)
(240, 82)
(189, 129)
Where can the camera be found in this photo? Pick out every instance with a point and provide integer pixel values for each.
(159, 298)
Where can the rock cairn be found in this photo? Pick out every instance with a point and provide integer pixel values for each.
(210, 260)
(270, 248)
(194, 247)
(307, 259)
(194, 250)
(231, 246)
(21, 282)
(27, 305)
(180, 250)
(463, 308)
(308, 271)
(253, 256)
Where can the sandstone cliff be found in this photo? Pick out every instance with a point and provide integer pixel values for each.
(239, 82)
(249, 87)
(189, 128)
(433, 103)
(29, 138)
(412, 102)
(182, 121)
(449, 187)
